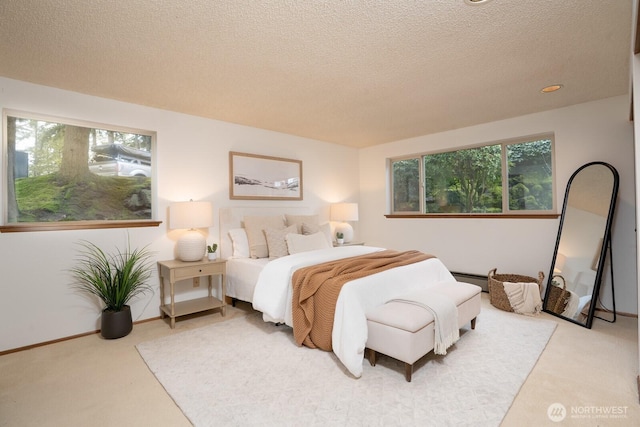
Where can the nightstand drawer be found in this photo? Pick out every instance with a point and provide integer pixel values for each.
(199, 270)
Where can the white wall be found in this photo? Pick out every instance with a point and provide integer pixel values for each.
(36, 302)
(37, 305)
(583, 133)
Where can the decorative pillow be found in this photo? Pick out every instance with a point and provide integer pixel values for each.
(309, 228)
(326, 230)
(302, 219)
(240, 242)
(257, 242)
(323, 228)
(276, 240)
(300, 243)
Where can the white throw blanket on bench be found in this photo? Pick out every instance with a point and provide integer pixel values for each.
(524, 297)
(444, 312)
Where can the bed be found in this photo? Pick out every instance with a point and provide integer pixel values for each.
(266, 282)
(242, 270)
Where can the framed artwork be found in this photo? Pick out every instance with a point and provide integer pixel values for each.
(255, 177)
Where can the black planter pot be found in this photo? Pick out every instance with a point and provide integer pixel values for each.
(116, 324)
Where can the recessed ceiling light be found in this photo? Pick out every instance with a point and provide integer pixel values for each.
(551, 88)
(474, 2)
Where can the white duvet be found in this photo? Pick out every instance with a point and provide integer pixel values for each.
(272, 295)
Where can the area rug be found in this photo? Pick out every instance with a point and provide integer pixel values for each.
(245, 372)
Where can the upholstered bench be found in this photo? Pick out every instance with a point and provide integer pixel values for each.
(405, 331)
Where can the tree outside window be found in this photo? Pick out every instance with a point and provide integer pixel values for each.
(65, 172)
(530, 176)
(507, 177)
(464, 181)
(406, 185)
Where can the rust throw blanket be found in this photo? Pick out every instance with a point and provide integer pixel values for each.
(316, 290)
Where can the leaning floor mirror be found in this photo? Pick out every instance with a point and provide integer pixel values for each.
(583, 246)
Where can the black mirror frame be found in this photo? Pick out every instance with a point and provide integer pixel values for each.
(604, 250)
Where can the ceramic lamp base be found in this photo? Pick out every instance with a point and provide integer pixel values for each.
(346, 229)
(191, 246)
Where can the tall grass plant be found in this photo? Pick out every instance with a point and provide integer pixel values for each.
(115, 278)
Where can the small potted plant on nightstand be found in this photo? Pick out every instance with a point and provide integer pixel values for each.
(211, 251)
(340, 238)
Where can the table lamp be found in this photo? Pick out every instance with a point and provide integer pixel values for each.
(559, 265)
(343, 212)
(191, 215)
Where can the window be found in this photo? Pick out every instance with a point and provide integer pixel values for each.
(62, 174)
(510, 177)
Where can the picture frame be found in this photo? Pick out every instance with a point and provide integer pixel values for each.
(257, 177)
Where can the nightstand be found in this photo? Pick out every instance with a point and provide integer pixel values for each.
(174, 271)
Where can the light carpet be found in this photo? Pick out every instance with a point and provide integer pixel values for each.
(247, 372)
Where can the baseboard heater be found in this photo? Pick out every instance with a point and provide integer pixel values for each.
(474, 279)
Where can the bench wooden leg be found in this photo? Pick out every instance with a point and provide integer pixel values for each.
(372, 357)
(473, 323)
(408, 371)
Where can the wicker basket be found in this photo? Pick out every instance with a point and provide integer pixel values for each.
(497, 296)
(558, 295)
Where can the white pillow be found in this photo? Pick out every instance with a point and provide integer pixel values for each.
(302, 243)
(276, 240)
(309, 228)
(323, 228)
(326, 230)
(255, 225)
(299, 220)
(240, 242)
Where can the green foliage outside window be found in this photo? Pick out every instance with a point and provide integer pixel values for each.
(406, 179)
(530, 176)
(464, 181)
(61, 172)
(471, 180)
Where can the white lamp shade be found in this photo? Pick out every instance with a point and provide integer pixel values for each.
(191, 215)
(344, 212)
(559, 265)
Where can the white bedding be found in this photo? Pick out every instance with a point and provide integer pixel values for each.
(272, 295)
(242, 276)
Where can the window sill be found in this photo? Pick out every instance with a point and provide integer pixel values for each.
(75, 225)
(475, 216)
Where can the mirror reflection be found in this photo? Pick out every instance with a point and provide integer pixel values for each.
(581, 246)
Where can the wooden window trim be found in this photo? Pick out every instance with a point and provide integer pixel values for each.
(474, 216)
(75, 225)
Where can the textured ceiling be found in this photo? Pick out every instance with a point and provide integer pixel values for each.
(358, 73)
